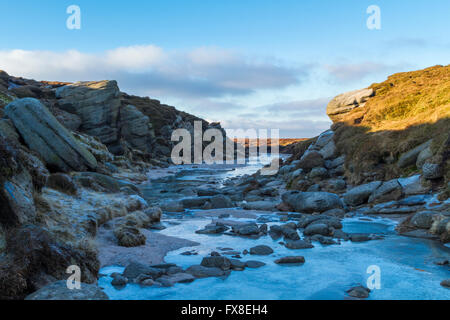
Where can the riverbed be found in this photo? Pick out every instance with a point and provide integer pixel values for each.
(407, 266)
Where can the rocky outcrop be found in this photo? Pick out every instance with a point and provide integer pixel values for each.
(97, 104)
(347, 102)
(135, 128)
(46, 136)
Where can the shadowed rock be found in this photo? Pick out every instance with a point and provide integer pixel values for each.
(59, 291)
(290, 260)
(310, 202)
(45, 135)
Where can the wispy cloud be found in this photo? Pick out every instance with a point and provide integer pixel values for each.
(408, 42)
(294, 119)
(356, 71)
(202, 72)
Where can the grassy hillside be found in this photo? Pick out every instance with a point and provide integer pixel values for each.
(406, 99)
(407, 110)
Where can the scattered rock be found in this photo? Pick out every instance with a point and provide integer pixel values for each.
(359, 292)
(135, 269)
(213, 229)
(220, 201)
(318, 228)
(298, 244)
(290, 260)
(360, 194)
(220, 262)
(318, 173)
(171, 280)
(422, 220)
(199, 271)
(119, 281)
(409, 158)
(289, 232)
(246, 229)
(237, 265)
(310, 202)
(363, 237)
(311, 160)
(323, 239)
(445, 283)
(329, 150)
(432, 171)
(254, 264)
(412, 185)
(387, 191)
(261, 250)
(266, 205)
(59, 291)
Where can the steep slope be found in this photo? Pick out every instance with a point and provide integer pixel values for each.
(394, 128)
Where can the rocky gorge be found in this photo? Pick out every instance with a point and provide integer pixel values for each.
(86, 180)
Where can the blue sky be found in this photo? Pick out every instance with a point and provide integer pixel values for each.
(247, 63)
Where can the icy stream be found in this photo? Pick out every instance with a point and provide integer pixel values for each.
(407, 265)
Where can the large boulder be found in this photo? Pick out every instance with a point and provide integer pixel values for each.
(412, 185)
(409, 158)
(46, 136)
(318, 228)
(311, 159)
(329, 150)
(220, 201)
(432, 170)
(220, 262)
(136, 269)
(311, 202)
(423, 156)
(17, 205)
(348, 101)
(97, 103)
(388, 191)
(60, 291)
(360, 194)
(422, 219)
(323, 139)
(106, 183)
(199, 271)
(135, 127)
(261, 250)
(105, 115)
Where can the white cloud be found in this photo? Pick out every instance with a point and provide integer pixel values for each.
(199, 73)
(135, 57)
(209, 82)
